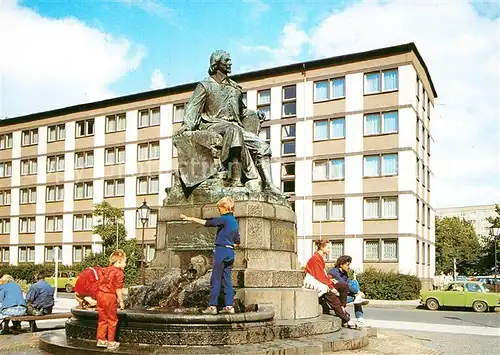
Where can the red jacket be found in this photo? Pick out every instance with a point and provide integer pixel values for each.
(111, 279)
(88, 282)
(316, 267)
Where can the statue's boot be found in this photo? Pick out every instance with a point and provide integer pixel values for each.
(264, 167)
(235, 174)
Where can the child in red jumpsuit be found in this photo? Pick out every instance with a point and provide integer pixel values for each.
(86, 287)
(109, 296)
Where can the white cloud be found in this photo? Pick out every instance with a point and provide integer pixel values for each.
(152, 7)
(462, 51)
(48, 63)
(257, 8)
(158, 80)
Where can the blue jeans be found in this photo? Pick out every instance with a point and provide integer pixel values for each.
(353, 290)
(221, 274)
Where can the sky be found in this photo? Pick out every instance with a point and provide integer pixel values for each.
(61, 53)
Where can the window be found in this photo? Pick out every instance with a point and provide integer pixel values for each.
(147, 184)
(5, 141)
(288, 178)
(5, 169)
(26, 254)
(114, 188)
(55, 163)
(29, 167)
(54, 223)
(116, 123)
(84, 190)
(56, 133)
(50, 253)
(428, 254)
(5, 255)
(148, 151)
(27, 225)
(329, 169)
(27, 195)
(149, 252)
(150, 117)
(85, 128)
(152, 220)
(373, 164)
(5, 197)
(55, 193)
(82, 222)
(390, 248)
(372, 250)
(81, 252)
(179, 113)
(265, 134)
(244, 98)
(115, 156)
(383, 207)
(381, 123)
(264, 102)
(328, 210)
(288, 139)
(84, 159)
(289, 101)
(381, 81)
(5, 226)
(333, 128)
(29, 137)
(337, 250)
(329, 89)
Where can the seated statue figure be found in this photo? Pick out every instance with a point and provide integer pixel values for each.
(220, 132)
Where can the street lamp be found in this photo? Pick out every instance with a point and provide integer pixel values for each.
(495, 231)
(143, 212)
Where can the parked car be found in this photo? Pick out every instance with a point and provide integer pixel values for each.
(66, 280)
(461, 294)
(489, 282)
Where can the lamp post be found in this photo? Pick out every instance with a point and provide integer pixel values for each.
(495, 231)
(143, 212)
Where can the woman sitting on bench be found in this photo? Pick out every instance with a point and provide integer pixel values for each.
(12, 303)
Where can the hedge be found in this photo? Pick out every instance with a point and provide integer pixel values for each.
(27, 271)
(389, 285)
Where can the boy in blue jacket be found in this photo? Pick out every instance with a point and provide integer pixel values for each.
(227, 238)
(340, 272)
(40, 296)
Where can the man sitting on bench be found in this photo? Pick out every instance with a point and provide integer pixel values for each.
(40, 296)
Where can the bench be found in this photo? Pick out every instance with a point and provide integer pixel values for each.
(32, 320)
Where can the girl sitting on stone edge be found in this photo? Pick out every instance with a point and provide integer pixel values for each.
(227, 238)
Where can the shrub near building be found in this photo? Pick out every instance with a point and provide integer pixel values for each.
(389, 285)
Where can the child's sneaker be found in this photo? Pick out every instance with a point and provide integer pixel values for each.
(113, 345)
(361, 322)
(227, 310)
(351, 324)
(102, 343)
(210, 310)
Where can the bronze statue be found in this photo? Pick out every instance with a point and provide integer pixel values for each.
(219, 128)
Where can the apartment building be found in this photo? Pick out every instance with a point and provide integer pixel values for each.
(475, 214)
(351, 145)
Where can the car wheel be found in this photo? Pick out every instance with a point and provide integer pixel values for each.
(479, 306)
(432, 304)
(69, 288)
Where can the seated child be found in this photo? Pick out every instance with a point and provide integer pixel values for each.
(86, 287)
(228, 237)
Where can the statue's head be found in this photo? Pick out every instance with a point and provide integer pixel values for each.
(220, 60)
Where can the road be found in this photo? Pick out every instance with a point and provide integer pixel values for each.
(451, 332)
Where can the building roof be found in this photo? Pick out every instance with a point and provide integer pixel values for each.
(285, 69)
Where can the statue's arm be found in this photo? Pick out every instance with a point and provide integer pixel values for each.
(194, 108)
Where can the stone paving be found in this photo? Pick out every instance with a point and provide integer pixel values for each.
(386, 343)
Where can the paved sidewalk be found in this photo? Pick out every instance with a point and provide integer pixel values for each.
(393, 304)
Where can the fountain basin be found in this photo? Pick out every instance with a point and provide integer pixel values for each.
(173, 329)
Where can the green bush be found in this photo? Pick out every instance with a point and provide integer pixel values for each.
(27, 271)
(389, 285)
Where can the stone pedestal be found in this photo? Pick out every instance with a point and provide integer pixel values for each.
(266, 268)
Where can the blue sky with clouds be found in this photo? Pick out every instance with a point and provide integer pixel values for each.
(62, 53)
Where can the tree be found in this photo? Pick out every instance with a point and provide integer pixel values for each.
(456, 238)
(113, 233)
(488, 257)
